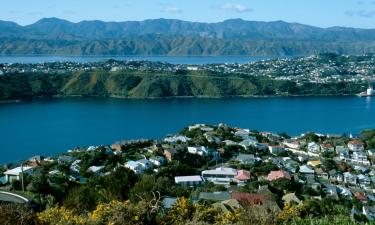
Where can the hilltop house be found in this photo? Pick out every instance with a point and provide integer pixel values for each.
(312, 147)
(356, 145)
(16, 173)
(327, 148)
(139, 166)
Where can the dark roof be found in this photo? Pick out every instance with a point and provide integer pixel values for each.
(249, 198)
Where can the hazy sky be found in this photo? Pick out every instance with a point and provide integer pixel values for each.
(323, 13)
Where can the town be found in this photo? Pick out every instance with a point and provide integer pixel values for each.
(322, 68)
(219, 174)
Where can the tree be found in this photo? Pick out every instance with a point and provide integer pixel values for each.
(182, 211)
(17, 214)
(81, 199)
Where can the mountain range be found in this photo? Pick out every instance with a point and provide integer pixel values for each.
(175, 37)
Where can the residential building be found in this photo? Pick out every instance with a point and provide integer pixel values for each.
(221, 175)
(246, 144)
(356, 145)
(276, 149)
(350, 178)
(364, 181)
(274, 175)
(304, 169)
(327, 148)
(201, 150)
(342, 152)
(157, 160)
(293, 144)
(246, 158)
(189, 181)
(16, 173)
(243, 176)
(313, 147)
(360, 157)
(169, 153)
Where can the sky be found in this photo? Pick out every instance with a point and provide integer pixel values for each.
(322, 13)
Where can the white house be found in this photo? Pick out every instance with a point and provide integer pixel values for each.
(139, 166)
(95, 169)
(157, 160)
(189, 181)
(350, 178)
(364, 181)
(201, 150)
(175, 139)
(356, 145)
(360, 157)
(221, 175)
(14, 174)
(292, 144)
(313, 147)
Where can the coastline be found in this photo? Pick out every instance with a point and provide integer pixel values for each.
(174, 97)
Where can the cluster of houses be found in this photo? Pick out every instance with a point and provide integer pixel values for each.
(296, 160)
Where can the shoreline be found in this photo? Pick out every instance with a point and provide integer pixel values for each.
(173, 97)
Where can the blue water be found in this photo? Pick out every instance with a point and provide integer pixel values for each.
(196, 60)
(54, 126)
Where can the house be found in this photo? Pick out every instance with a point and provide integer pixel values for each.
(157, 160)
(15, 173)
(230, 142)
(371, 152)
(262, 146)
(221, 175)
(169, 202)
(176, 139)
(312, 147)
(202, 151)
(293, 144)
(330, 190)
(145, 163)
(249, 198)
(275, 175)
(65, 159)
(246, 144)
(189, 181)
(350, 178)
(360, 157)
(364, 181)
(369, 212)
(360, 196)
(275, 149)
(320, 173)
(202, 127)
(291, 197)
(169, 153)
(95, 169)
(246, 158)
(342, 152)
(139, 166)
(356, 145)
(305, 170)
(211, 138)
(75, 166)
(214, 196)
(343, 191)
(327, 148)
(314, 163)
(243, 133)
(243, 176)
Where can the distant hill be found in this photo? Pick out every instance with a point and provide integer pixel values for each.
(176, 37)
